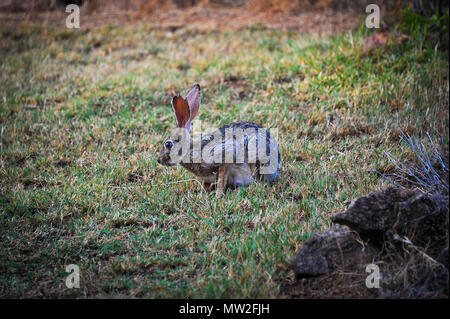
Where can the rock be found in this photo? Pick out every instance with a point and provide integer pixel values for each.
(385, 210)
(420, 217)
(324, 252)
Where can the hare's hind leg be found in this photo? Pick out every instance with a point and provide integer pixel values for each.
(222, 179)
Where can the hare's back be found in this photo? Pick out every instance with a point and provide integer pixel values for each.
(253, 137)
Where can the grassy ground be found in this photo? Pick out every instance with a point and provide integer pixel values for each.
(83, 114)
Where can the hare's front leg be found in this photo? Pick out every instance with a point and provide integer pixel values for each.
(222, 179)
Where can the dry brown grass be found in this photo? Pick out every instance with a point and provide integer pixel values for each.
(319, 17)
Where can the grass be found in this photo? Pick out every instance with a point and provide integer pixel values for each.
(83, 113)
(429, 172)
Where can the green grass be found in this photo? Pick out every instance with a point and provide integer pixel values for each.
(83, 114)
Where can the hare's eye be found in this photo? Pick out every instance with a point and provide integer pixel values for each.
(168, 144)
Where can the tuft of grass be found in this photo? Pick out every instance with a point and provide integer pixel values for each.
(429, 171)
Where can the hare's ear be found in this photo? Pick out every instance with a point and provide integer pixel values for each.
(181, 108)
(193, 98)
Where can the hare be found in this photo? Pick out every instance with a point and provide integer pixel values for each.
(230, 156)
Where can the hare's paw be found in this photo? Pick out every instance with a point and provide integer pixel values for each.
(207, 186)
(219, 193)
